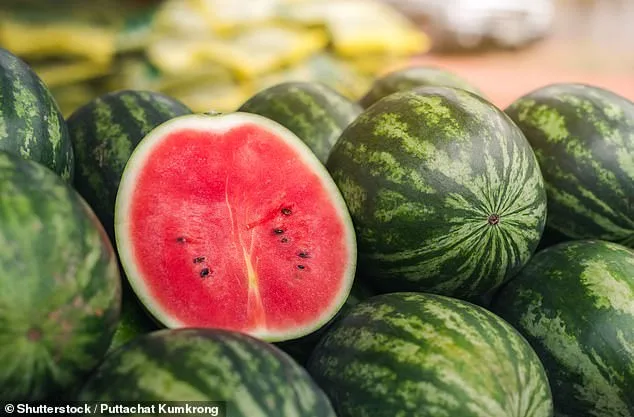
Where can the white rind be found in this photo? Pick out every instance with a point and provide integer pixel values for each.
(221, 124)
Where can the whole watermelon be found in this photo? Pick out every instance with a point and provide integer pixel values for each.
(426, 355)
(104, 132)
(253, 377)
(574, 302)
(411, 77)
(60, 290)
(582, 136)
(445, 193)
(316, 113)
(31, 123)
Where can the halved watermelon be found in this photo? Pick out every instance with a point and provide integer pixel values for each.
(230, 221)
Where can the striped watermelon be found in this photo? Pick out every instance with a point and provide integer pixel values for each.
(59, 284)
(412, 77)
(254, 378)
(316, 113)
(584, 141)
(445, 192)
(416, 354)
(31, 123)
(574, 302)
(104, 132)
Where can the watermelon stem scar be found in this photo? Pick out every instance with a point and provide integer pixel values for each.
(494, 219)
(283, 252)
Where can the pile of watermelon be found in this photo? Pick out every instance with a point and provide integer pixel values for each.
(420, 252)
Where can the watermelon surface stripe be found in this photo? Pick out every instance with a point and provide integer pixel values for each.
(472, 171)
(438, 357)
(584, 140)
(575, 304)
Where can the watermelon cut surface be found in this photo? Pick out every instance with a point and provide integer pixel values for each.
(230, 221)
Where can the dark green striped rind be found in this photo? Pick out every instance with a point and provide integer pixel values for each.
(254, 377)
(31, 123)
(425, 355)
(104, 132)
(413, 77)
(583, 137)
(316, 113)
(574, 302)
(59, 284)
(422, 172)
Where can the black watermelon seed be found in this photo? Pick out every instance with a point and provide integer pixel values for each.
(300, 267)
(199, 259)
(204, 272)
(286, 211)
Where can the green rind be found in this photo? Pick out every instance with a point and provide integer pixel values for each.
(31, 123)
(255, 378)
(316, 113)
(421, 172)
(414, 77)
(425, 355)
(574, 302)
(59, 281)
(104, 132)
(583, 137)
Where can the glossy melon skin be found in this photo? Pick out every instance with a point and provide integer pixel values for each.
(427, 355)
(230, 221)
(252, 377)
(583, 140)
(412, 77)
(31, 123)
(316, 113)
(574, 302)
(60, 288)
(444, 190)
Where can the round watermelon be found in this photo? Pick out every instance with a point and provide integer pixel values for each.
(245, 375)
(104, 132)
(31, 123)
(316, 113)
(445, 193)
(574, 302)
(59, 284)
(230, 221)
(582, 136)
(412, 77)
(427, 355)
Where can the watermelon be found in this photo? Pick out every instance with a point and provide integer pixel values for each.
(253, 377)
(230, 221)
(428, 355)
(574, 302)
(104, 132)
(31, 123)
(445, 193)
(316, 113)
(584, 141)
(411, 77)
(59, 285)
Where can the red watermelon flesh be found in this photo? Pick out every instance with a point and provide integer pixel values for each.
(229, 221)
